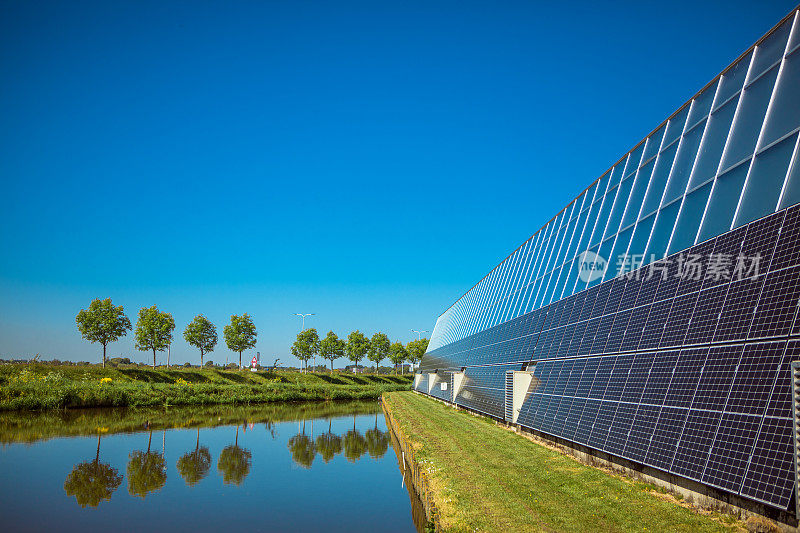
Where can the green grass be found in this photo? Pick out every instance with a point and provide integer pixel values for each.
(43, 386)
(485, 478)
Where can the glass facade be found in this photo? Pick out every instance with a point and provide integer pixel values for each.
(657, 310)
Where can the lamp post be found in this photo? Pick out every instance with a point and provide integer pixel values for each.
(419, 333)
(303, 327)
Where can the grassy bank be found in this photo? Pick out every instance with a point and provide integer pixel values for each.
(42, 386)
(485, 478)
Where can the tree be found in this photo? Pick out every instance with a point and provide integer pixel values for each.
(234, 462)
(202, 334)
(416, 349)
(378, 349)
(154, 330)
(328, 444)
(103, 322)
(397, 354)
(147, 471)
(194, 466)
(357, 346)
(306, 346)
(331, 347)
(240, 335)
(92, 481)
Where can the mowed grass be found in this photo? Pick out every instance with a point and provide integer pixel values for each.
(43, 386)
(486, 478)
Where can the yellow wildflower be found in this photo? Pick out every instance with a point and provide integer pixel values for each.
(105, 380)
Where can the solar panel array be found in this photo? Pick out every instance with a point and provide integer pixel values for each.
(689, 374)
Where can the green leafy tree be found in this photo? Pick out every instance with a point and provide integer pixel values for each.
(357, 346)
(92, 481)
(329, 444)
(194, 466)
(240, 334)
(416, 349)
(397, 354)
(331, 347)
(306, 346)
(103, 322)
(234, 463)
(147, 471)
(378, 349)
(153, 330)
(202, 334)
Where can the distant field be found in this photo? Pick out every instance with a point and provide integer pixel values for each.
(485, 478)
(43, 386)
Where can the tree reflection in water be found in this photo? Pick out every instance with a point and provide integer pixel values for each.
(302, 447)
(354, 444)
(92, 481)
(377, 441)
(194, 466)
(147, 471)
(328, 444)
(234, 462)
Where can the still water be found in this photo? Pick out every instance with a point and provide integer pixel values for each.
(283, 467)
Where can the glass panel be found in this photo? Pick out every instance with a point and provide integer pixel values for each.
(634, 159)
(713, 143)
(639, 188)
(571, 251)
(794, 40)
(701, 105)
(641, 234)
(771, 50)
(791, 193)
(689, 219)
(616, 173)
(617, 255)
(765, 182)
(587, 232)
(659, 179)
(662, 231)
(653, 144)
(602, 218)
(675, 126)
(722, 205)
(784, 115)
(733, 80)
(605, 253)
(619, 208)
(687, 152)
(568, 236)
(749, 119)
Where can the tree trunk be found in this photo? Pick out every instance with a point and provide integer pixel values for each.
(104, 356)
(149, 440)
(169, 349)
(197, 446)
(240, 360)
(97, 457)
(236, 442)
(331, 366)
(154, 357)
(201, 358)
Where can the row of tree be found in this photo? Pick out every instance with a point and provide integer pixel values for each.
(105, 323)
(357, 346)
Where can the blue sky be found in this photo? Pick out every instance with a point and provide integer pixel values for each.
(368, 162)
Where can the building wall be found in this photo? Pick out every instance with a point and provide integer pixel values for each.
(676, 355)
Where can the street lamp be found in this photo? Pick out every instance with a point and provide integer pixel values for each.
(419, 333)
(303, 327)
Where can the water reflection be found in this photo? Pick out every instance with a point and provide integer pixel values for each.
(216, 452)
(194, 466)
(92, 481)
(147, 471)
(234, 462)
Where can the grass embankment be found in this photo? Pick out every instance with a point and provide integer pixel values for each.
(485, 478)
(42, 386)
(24, 426)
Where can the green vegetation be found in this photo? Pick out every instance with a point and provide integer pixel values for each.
(306, 346)
(103, 322)
(153, 331)
(485, 478)
(42, 386)
(240, 334)
(416, 349)
(397, 354)
(357, 346)
(331, 347)
(378, 349)
(201, 334)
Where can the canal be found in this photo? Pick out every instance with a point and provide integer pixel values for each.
(277, 467)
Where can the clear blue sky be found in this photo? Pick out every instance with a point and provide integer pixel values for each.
(367, 162)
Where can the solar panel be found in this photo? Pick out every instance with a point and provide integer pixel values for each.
(641, 432)
(777, 305)
(733, 443)
(695, 443)
(665, 437)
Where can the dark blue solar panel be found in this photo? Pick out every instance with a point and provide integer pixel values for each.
(716, 377)
(704, 319)
(769, 476)
(659, 377)
(678, 321)
(557, 427)
(637, 377)
(665, 437)
(777, 306)
(617, 333)
(641, 432)
(618, 377)
(780, 404)
(601, 377)
(586, 422)
(695, 442)
(601, 336)
(654, 327)
(618, 435)
(732, 446)
(602, 424)
(787, 249)
(755, 377)
(636, 324)
(685, 377)
(740, 306)
(574, 416)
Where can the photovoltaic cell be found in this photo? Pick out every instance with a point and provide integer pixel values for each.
(659, 377)
(641, 432)
(716, 377)
(691, 454)
(665, 437)
(732, 446)
(755, 377)
(777, 306)
(770, 473)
